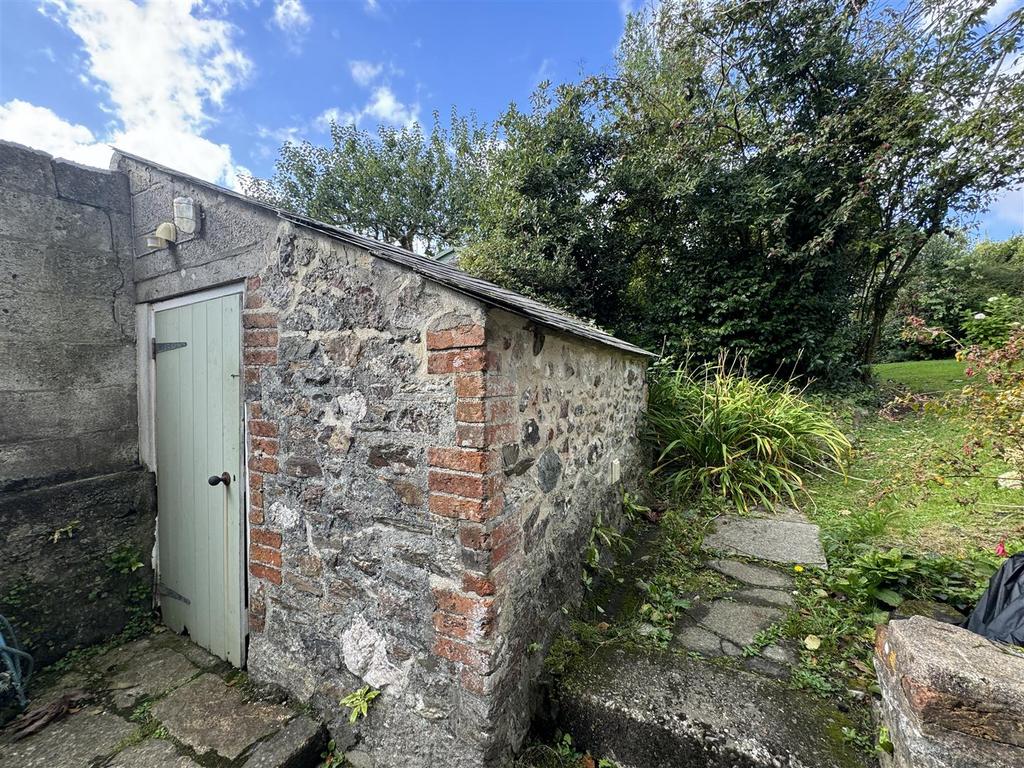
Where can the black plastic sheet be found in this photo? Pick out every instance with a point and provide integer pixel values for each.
(999, 614)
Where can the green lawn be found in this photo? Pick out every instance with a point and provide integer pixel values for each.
(923, 376)
(912, 469)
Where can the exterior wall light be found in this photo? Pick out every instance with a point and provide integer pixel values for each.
(165, 234)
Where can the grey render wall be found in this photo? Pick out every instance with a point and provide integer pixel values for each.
(72, 496)
(67, 327)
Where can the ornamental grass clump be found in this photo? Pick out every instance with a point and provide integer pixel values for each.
(720, 434)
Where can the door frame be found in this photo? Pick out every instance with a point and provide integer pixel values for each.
(145, 326)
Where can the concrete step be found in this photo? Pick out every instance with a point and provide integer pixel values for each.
(658, 709)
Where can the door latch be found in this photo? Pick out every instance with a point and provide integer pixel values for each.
(223, 477)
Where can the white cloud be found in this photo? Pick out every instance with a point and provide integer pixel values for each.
(365, 72)
(292, 18)
(1000, 10)
(159, 68)
(42, 128)
(383, 107)
(371, 6)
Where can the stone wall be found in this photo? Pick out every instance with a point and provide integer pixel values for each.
(67, 328)
(422, 473)
(950, 698)
(575, 414)
(74, 504)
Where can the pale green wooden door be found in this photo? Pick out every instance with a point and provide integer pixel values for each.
(198, 435)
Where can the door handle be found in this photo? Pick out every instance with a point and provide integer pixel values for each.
(223, 477)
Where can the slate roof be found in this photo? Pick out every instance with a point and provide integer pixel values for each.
(439, 272)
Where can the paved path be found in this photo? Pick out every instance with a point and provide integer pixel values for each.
(737, 624)
(719, 696)
(161, 702)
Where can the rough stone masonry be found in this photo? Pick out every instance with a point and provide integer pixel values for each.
(426, 457)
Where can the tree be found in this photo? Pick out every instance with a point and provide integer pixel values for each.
(945, 115)
(542, 222)
(399, 185)
(764, 175)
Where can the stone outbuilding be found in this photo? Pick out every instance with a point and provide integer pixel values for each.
(370, 468)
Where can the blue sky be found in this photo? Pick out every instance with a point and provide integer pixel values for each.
(214, 86)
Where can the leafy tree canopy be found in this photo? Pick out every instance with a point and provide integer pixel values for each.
(760, 175)
(400, 185)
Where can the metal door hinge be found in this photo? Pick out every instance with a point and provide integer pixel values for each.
(166, 346)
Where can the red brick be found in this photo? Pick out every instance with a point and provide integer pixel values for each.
(261, 337)
(476, 659)
(481, 585)
(253, 283)
(458, 360)
(260, 356)
(263, 464)
(451, 626)
(474, 536)
(256, 516)
(483, 435)
(463, 336)
(476, 510)
(254, 301)
(272, 575)
(481, 685)
(503, 549)
(259, 319)
(458, 459)
(266, 445)
(257, 622)
(459, 604)
(255, 499)
(470, 410)
(255, 410)
(470, 486)
(255, 481)
(262, 428)
(265, 555)
(252, 375)
(265, 538)
(483, 385)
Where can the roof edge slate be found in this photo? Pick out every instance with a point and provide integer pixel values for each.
(486, 292)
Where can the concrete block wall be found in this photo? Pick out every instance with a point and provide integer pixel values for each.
(67, 328)
(73, 501)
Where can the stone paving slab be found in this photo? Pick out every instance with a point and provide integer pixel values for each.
(147, 674)
(201, 718)
(152, 753)
(75, 742)
(654, 709)
(754, 575)
(778, 540)
(210, 716)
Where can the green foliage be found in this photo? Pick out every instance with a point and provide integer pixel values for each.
(992, 324)
(948, 284)
(400, 185)
(124, 559)
(722, 434)
(359, 702)
(884, 578)
(726, 188)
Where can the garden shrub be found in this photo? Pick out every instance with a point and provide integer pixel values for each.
(722, 434)
(991, 327)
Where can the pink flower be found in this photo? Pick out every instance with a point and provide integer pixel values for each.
(1001, 549)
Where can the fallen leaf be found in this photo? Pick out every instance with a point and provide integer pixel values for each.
(812, 642)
